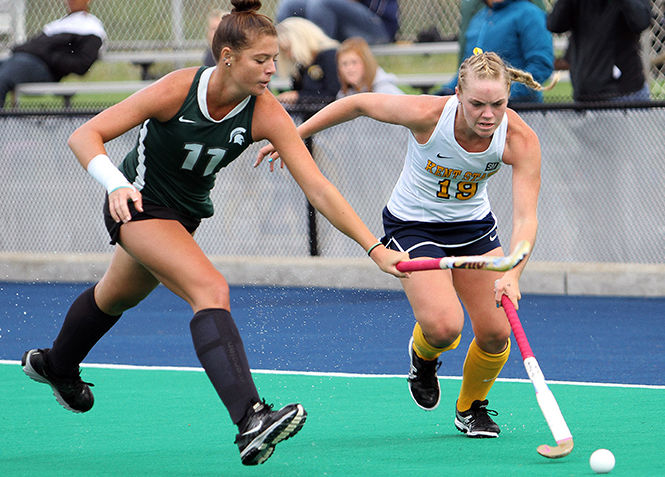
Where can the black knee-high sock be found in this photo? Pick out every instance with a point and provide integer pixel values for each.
(84, 325)
(221, 352)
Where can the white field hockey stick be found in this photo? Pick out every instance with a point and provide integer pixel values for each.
(476, 262)
(546, 401)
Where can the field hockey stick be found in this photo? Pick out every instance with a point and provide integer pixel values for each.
(546, 401)
(475, 262)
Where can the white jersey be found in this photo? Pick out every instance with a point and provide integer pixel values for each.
(442, 182)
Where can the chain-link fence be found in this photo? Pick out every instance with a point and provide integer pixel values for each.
(601, 197)
(164, 24)
(180, 24)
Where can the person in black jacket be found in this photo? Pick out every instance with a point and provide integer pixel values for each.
(604, 47)
(70, 44)
(308, 57)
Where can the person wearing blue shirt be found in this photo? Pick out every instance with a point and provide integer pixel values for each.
(467, 9)
(516, 30)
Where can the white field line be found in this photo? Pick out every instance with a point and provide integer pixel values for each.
(344, 375)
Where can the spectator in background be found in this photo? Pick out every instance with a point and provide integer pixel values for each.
(516, 30)
(658, 38)
(214, 18)
(359, 71)
(377, 21)
(467, 9)
(307, 56)
(68, 45)
(604, 47)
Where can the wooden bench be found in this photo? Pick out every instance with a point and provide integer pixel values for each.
(423, 81)
(418, 49)
(146, 58)
(67, 89)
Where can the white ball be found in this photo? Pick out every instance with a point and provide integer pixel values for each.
(602, 461)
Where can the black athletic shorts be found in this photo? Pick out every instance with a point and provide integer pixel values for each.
(150, 211)
(440, 239)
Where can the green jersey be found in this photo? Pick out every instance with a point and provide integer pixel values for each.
(174, 163)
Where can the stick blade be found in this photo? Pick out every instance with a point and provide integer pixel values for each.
(561, 450)
(503, 264)
(522, 249)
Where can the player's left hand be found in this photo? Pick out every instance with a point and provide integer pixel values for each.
(509, 286)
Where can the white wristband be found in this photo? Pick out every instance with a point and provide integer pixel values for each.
(107, 174)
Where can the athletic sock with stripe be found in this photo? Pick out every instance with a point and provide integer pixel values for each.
(479, 373)
(221, 352)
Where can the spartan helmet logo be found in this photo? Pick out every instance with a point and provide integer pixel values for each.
(237, 137)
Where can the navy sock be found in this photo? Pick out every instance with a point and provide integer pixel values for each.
(83, 327)
(221, 352)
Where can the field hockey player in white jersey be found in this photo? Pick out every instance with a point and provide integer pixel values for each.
(192, 123)
(439, 207)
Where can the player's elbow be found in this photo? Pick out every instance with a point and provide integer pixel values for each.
(320, 194)
(73, 140)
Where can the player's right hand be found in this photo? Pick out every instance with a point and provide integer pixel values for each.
(119, 203)
(387, 260)
(270, 151)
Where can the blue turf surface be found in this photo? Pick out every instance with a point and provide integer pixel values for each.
(599, 339)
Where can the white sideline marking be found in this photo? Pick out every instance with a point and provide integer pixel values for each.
(344, 375)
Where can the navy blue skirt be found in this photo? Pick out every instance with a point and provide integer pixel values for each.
(440, 239)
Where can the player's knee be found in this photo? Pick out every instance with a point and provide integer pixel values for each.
(214, 293)
(442, 334)
(117, 303)
(122, 305)
(493, 342)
